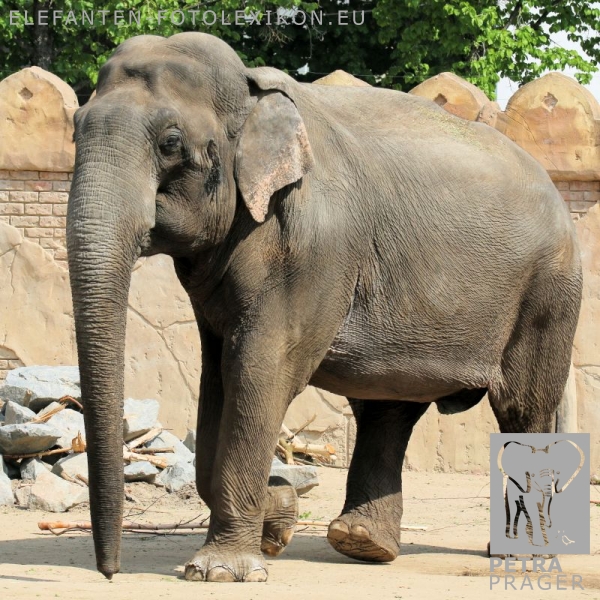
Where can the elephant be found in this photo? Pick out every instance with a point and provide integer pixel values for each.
(360, 240)
(534, 476)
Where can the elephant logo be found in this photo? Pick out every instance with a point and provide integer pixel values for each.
(539, 517)
(535, 475)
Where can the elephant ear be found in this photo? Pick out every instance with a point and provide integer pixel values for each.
(273, 150)
(514, 460)
(566, 459)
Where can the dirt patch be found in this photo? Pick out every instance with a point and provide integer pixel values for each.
(447, 561)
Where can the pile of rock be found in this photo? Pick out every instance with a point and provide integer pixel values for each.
(42, 444)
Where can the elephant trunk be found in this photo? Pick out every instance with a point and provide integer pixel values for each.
(104, 232)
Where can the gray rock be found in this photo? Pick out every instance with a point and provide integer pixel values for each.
(3, 467)
(31, 468)
(175, 477)
(54, 494)
(15, 414)
(140, 471)
(27, 438)
(303, 477)
(139, 416)
(72, 466)
(22, 495)
(165, 439)
(190, 440)
(69, 422)
(6, 494)
(36, 387)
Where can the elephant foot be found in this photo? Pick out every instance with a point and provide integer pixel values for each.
(211, 565)
(280, 520)
(357, 537)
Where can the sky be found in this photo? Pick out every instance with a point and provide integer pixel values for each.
(506, 88)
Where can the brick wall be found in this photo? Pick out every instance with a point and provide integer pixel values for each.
(36, 203)
(8, 360)
(580, 196)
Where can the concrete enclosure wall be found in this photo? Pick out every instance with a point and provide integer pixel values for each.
(553, 118)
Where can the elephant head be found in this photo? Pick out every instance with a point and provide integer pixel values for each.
(550, 469)
(180, 142)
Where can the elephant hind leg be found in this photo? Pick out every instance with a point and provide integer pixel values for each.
(535, 363)
(369, 527)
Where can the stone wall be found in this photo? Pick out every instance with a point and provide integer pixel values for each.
(553, 118)
(35, 202)
(580, 196)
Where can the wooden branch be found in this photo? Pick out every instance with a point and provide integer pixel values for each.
(326, 450)
(155, 450)
(305, 425)
(38, 454)
(286, 448)
(66, 399)
(135, 457)
(54, 526)
(146, 437)
(127, 526)
(297, 445)
(287, 432)
(49, 414)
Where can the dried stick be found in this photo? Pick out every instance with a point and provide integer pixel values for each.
(146, 437)
(143, 527)
(155, 460)
(155, 450)
(305, 425)
(72, 400)
(285, 447)
(38, 454)
(49, 414)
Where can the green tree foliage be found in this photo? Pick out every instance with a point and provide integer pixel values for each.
(396, 43)
(485, 40)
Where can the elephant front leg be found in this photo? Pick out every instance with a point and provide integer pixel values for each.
(256, 395)
(281, 508)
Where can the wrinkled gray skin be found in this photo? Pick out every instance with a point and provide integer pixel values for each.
(534, 476)
(357, 239)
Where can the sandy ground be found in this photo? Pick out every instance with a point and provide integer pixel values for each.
(445, 562)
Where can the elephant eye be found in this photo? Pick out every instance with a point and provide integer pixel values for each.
(171, 144)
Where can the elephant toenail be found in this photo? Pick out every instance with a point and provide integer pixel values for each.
(193, 573)
(360, 532)
(338, 530)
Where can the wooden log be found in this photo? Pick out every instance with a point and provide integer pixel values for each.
(297, 445)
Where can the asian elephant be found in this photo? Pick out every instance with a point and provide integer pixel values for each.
(534, 476)
(357, 239)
